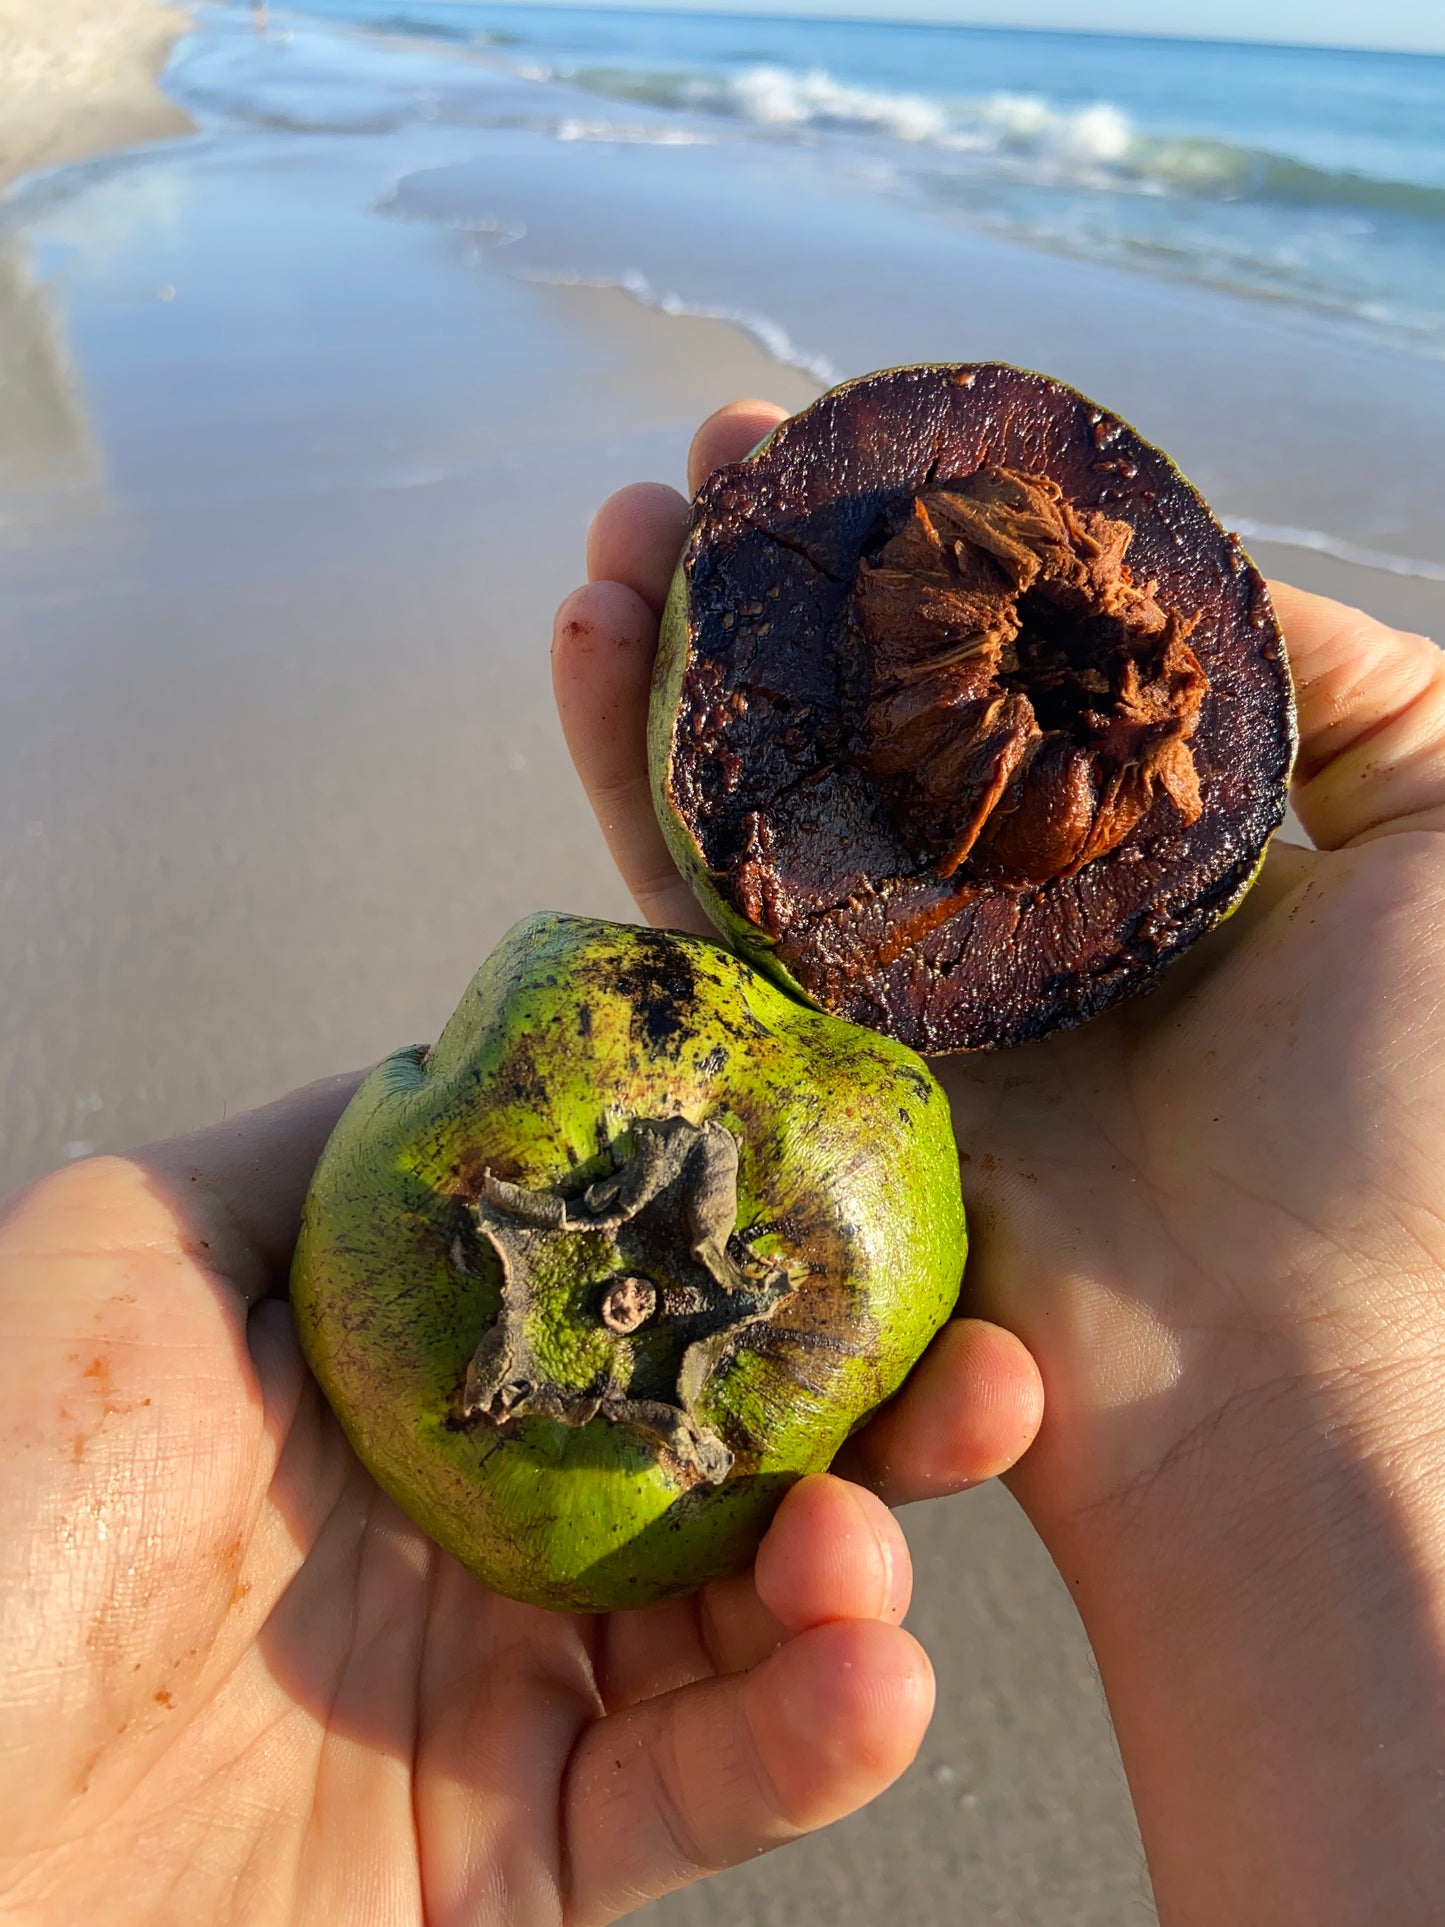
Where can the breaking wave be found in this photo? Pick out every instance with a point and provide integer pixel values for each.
(1097, 144)
(1137, 164)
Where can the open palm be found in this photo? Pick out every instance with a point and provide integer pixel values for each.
(1166, 1201)
(1212, 1214)
(236, 1684)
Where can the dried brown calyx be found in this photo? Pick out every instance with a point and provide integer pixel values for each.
(1028, 701)
(643, 1294)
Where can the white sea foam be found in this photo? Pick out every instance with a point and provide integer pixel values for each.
(632, 133)
(1093, 136)
(780, 99)
(775, 341)
(1336, 547)
(491, 228)
(1034, 161)
(776, 97)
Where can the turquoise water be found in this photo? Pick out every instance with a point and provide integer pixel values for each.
(1302, 176)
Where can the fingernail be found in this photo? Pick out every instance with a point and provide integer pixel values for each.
(894, 1591)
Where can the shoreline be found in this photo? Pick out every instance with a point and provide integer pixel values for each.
(83, 82)
(82, 78)
(373, 388)
(798, 379)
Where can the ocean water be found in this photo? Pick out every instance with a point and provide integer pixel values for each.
(1241, 249)
(1301, 176)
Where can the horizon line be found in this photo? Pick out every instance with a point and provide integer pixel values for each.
(915, 24)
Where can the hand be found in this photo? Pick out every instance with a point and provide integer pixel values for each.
(1213, 1217)
(236, 1684)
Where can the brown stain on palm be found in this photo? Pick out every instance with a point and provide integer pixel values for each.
(97, 1381)
(228, 1563)
(99, 1372)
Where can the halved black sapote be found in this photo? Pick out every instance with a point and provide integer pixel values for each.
(968, 715)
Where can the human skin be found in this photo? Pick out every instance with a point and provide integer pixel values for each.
(1213, 1216)
(237, 1685)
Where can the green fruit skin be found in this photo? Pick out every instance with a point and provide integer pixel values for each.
(571, 1030)
(668, 672)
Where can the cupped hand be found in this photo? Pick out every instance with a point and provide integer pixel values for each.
(237, 1685)
(1220, 1198)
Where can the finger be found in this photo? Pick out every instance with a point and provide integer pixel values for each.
(603, 644)
(833, 1551)
(602, 649)
(728, 435)
(970, 1409)
(1372, 721)
(724, 1628)
(636, 537)
(721, 1771)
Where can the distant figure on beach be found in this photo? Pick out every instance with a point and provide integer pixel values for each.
(258, 15)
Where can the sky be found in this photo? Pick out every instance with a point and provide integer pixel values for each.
(1414, 26)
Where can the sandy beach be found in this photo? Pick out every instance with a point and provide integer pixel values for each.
(301, 425)
(79, 77)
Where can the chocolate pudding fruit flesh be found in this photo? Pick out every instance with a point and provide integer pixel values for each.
(638, 1244)
(968, 716)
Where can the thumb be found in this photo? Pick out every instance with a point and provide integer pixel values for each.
(721, 1770)
(1372, 721)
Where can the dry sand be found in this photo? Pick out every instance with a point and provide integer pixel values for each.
(79, 77)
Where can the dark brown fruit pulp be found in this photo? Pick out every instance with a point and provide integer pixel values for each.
(983, 716)
(1027, 699)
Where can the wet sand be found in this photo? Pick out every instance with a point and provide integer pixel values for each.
(278, 765)
(298, 490)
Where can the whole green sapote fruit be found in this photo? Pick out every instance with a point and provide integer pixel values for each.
(633, 1247)
(968, 716)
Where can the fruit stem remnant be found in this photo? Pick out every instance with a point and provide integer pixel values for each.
(1027, 699)
(676, 1299)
